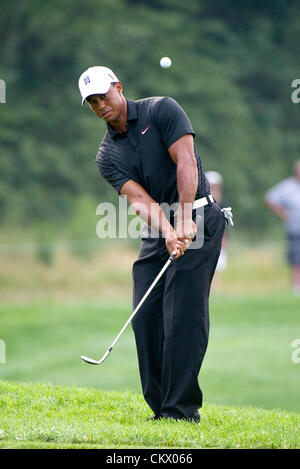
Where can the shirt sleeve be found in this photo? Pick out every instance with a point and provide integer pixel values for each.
(115, 176)
(172, 121)
(277, 194)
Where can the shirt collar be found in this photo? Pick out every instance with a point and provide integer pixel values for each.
(131, 115)
(131, 110)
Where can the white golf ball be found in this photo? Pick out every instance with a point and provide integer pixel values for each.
(165, 62)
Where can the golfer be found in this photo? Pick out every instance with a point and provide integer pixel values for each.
(148, 155)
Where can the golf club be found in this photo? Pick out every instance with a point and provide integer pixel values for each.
(98, 362)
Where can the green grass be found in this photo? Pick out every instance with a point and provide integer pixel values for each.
(52, 314)
(46, 416)
(248, 361)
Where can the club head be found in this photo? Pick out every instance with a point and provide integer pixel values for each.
(90, 360)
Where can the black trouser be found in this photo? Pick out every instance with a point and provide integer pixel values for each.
(171, 328)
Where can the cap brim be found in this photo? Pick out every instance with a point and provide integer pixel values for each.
(96, 90)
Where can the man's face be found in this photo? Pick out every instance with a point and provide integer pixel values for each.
(108, 106)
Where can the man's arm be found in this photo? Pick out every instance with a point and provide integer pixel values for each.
(182, 153)
(279, 210)
(150, 211)
(275, 197)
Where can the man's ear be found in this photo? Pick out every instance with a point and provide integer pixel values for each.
(119, 87)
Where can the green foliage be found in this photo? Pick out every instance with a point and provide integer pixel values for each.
(233, 64)
(44, 248)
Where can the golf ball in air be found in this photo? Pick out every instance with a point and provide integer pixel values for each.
(165, 62)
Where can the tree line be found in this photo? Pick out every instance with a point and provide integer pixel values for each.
(233, 64)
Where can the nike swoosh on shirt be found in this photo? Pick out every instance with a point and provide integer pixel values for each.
(144, 131)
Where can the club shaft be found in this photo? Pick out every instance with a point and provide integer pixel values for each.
(142, 301)
(95, 362)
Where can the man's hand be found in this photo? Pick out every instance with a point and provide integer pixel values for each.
(186, 229)
(178, 241)
(174, 245)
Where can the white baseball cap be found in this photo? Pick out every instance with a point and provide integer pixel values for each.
(214, 177)
(95, 80)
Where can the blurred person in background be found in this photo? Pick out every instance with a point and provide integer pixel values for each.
(284, 200)
(216, 186)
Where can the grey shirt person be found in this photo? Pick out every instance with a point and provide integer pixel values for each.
(287, 195)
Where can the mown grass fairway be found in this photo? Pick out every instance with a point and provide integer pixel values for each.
(248, 361)
(43, 416)
(50, 315)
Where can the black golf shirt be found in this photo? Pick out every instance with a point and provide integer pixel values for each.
(141, 153)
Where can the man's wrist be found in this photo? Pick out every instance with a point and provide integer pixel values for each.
(169, 232)
(184, 211)
(179, 222)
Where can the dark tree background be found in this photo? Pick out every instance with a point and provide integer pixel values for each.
(233, 65)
